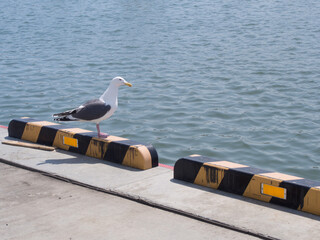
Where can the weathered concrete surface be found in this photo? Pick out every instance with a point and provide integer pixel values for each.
(157, 187)
(33, 206)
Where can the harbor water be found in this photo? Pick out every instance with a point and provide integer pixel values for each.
(233, 80)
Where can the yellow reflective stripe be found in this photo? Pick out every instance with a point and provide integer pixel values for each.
(72, 142)
(273, 191)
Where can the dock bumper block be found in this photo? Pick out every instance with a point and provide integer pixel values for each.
(273, 187)
(113, 149)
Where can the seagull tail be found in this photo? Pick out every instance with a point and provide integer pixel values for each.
(64, 116)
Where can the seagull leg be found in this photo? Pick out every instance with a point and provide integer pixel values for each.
(101, 135)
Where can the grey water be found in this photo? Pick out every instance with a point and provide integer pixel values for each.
(233, 80)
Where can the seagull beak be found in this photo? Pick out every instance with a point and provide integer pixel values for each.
(128, 84)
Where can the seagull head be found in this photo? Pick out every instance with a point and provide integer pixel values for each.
(119, 81)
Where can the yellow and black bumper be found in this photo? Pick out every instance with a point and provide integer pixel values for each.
(273, 187)
(113, 149)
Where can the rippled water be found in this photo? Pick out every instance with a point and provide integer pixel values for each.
(234, 80)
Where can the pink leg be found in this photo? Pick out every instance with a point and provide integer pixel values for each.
(101, 135)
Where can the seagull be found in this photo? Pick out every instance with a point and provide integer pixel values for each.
(96, 110)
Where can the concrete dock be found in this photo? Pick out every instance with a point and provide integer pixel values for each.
(62, 195)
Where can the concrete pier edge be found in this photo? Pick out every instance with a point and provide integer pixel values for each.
(141, 201)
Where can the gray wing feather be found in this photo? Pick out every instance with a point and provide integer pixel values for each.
(91, 110)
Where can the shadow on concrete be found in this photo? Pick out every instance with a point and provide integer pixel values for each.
(78, 159)
(246, 199)
(81, 159)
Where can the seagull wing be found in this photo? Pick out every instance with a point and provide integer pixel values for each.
(91, 110)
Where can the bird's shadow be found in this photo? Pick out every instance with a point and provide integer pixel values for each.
(81, 159)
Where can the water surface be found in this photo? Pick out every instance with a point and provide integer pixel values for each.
(238, 81)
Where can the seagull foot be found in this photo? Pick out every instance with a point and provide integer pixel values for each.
(103, 135)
